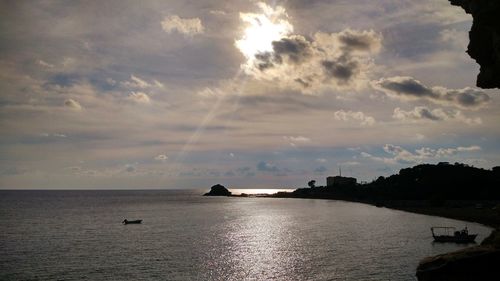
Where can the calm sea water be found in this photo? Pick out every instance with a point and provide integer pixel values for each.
(78, 235)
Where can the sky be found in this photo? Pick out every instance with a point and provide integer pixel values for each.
(187, 94)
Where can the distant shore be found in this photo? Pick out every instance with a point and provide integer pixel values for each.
(485, 212)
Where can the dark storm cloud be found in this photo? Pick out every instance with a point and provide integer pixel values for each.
(364, 41)
(408, 87)
(265, 60)
(296, 48)
(468, 97)
(426, 113)
(325, 59)
(342, 69)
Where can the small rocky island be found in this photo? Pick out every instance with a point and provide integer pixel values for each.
(218, 190)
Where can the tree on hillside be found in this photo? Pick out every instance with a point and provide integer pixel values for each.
(311, 183)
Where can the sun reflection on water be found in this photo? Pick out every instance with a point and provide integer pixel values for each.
(238, 191)
(262, 248)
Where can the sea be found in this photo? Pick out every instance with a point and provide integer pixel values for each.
(78, 235)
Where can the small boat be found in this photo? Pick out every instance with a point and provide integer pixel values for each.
(125, 221)
(461, 236)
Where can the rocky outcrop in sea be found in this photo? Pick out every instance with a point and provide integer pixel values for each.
(218, 190)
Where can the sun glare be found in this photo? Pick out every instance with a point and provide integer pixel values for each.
(262, 29)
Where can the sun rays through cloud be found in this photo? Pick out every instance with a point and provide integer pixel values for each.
(262, 29)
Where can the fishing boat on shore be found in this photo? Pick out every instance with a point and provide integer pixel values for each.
(125, 221)
(450, 234)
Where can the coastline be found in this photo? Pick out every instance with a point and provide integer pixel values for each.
(473, 263)
(479, 262)
(488, 215)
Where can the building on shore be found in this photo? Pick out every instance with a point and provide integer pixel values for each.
(340, 180)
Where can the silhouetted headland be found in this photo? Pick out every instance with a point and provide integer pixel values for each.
(456, 191)
(218, 190)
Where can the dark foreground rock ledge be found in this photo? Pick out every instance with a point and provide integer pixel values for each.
(484, 37)
(475, 263)
(218, 190)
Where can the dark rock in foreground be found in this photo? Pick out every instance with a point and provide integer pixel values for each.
(218, 190)
(476, 263)
(484, 36)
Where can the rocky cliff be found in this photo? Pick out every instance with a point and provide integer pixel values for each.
(484, 39)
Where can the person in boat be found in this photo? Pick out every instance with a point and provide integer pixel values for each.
(465, 231)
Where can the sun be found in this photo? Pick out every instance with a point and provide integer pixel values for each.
(262, 29)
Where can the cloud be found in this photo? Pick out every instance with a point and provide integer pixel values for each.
(293, 141)
(211, 93)
(110, 81)
(351, 115)
(469, 148)
(135, 82)
(186, 26)
(243, 169)
(403, 156)
(455, 38)
(161, 157)
(130, 168)
(298, 139)
(321, 160)
(72, 104)
(267, 167)
(405, 87)
(422, 113)
(139, 97)
(333, 60)
(45, 64)
(218, 12)
(55, 135)
(336, 60)
(320, 170)
(419, 136)
(11, 171)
